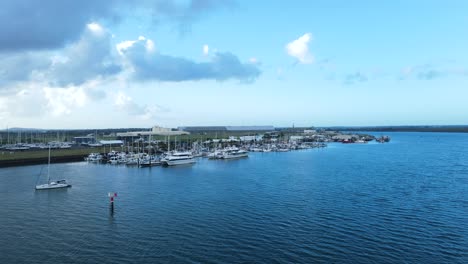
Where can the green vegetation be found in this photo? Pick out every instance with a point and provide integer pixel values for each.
(34, 154)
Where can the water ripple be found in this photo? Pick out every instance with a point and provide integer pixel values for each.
(387, 203)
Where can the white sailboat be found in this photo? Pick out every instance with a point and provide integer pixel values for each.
(52, 184)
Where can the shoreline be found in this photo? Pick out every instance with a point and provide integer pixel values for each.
(41, 160)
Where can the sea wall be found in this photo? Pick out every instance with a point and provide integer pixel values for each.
(42, 160)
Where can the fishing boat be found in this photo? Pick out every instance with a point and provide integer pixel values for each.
(52, 184)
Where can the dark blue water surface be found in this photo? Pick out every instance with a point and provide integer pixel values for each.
(401, 202)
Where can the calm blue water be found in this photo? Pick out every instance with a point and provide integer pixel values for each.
(402, 202)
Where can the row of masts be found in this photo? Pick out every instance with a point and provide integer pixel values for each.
(30, 137)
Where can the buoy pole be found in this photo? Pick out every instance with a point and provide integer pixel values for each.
(111, 196)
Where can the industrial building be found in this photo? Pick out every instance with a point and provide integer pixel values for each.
(84, 140)
(155, 131)
(202, 129)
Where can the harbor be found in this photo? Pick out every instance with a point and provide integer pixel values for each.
(152, 147)
(233, 131)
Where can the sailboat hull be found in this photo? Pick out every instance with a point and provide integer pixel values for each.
(48, 186)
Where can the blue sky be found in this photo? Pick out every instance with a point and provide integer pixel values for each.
(100, 64)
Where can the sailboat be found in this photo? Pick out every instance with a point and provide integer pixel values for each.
(52, 184)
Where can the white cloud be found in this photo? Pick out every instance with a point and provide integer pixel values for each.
(254, 60)
(126, 104)
(52, 24)
(87, 59)
(124, 45)
(95, 28)
(28, 101)
(37, 100)
(150, 46)
(63, 101)
(299, 49)
(206, 50)
(143, 65)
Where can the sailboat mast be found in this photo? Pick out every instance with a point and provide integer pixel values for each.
(48, 168)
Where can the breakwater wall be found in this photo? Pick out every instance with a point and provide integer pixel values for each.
(41, 160)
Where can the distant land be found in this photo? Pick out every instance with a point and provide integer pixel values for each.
(406, 128)
(89, 130)
(444, 128)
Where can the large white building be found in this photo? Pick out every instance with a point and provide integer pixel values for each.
(201, 129)
(155, 131)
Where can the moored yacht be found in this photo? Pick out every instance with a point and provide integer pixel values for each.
(235, 154)
(178, 158)
(149, 161)
(217, 154)
(52, 184)
(94, 157)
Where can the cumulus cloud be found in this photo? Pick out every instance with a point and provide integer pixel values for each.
(18, 67)
(27, 101)
(63, 101)
(51, 24)
(147, 65)
(299, 49)
(35, 25)
(126, 104)
(206, 50)
(55, 42)
(85, 60)
(35, 100)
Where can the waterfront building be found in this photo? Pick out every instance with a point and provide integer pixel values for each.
(155, 131)
(204, 129)
(111, 142)
(251, 138)
(84, 140)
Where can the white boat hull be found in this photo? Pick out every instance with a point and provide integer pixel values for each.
(235, 156)
(179, 162)
(149, 164)
(48, 186)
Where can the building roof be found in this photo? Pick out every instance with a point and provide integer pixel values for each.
(250, 128)
(155, 131)
(202, 128)
(111, 142)
(226, 128)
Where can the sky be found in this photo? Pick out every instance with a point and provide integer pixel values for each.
(68, 64)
